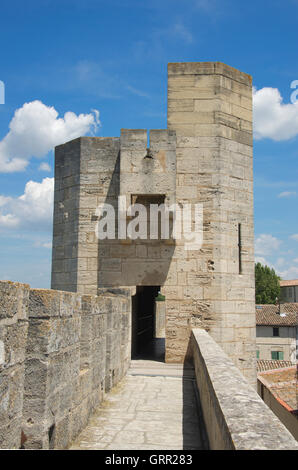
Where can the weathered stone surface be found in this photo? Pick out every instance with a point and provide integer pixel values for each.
(13, 342)
(139, 415)
(74, 348)
(212, 138)
(56, 354)
(13, 300)
(236, 418)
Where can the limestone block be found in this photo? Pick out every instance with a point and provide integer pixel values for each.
(186, 265)
(88, 277)
(134, 138)
(110, 264)
(44, 303)
(191, 118)
(13, 300)
(11, 393)
(182, 105)
(36, 378)
(192, 292)
(13, 338)
(10, 435)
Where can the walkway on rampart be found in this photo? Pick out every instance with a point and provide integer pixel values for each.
(154, 408)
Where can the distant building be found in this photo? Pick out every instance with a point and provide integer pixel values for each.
(277, 332)
(289, 291)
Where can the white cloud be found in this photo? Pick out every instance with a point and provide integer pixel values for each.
(294, 237)
(33, 210)
(266, 244)
(8, 221)
(262, 260)
(44, 166)
(287, 194)
(289, 273)
(36, 129)
(280, 262)
(37, 273)
(265, 262)
(4, 200)
(274, 119)
(281, 267)
(285, 267)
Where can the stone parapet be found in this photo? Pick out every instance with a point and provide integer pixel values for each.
(235, 416)
(60, 352)
(13, 340)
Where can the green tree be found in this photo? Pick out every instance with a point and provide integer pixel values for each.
(267, 284)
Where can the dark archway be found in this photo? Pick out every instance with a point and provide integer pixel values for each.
(144, 345)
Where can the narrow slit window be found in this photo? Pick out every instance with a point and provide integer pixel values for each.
(239, 248)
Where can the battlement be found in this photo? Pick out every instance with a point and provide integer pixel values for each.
(148, 170)
(138, 138)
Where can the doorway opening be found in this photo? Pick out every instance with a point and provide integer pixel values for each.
(144, 343)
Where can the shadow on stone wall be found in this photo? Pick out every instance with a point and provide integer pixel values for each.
(132, 263)
(194, 431)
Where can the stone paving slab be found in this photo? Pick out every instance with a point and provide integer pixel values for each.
(146, 412)
(155, 368)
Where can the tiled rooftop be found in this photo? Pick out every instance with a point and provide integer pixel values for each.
(283, 383)
(269, 314)
(263, 365)
(293, 282)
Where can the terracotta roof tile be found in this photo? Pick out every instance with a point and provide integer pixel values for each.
(284, 385)
(269, 315)
(263, 364)
(293, 282)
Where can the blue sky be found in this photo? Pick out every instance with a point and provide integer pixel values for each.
(111, 56)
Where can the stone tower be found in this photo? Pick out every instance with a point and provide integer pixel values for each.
(203, 158)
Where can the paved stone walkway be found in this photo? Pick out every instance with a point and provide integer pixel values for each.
(153, 408)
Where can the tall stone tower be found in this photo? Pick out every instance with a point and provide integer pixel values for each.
(210, 108)
(204, 157)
